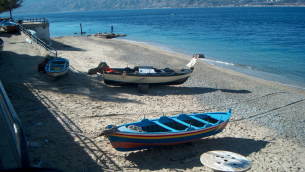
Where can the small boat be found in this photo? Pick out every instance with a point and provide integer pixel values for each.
(145, 74)
(109, 35)
(164, 131)
(56, 66)
(9, 26)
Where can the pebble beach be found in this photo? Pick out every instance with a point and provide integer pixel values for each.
(62, 117)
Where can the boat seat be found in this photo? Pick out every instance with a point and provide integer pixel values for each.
(184, 123)
(201, 120)
(164, 126)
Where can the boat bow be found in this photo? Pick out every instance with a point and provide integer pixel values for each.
(194, 60)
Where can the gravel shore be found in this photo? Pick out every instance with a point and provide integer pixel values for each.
(63, 116)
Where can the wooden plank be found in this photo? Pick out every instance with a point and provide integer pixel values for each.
(164, 126)
(184, 123)
(201, 120)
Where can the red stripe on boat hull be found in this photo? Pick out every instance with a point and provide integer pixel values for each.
(127, 145)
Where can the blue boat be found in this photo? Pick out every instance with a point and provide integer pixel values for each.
(8, 26)
(56, 66)
(166, 130)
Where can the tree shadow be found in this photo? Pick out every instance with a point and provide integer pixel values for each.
(186, 156)
(81, 84)
(64, 47)
(23, 68)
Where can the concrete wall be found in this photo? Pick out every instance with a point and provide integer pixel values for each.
(41, 29)
(42, 51)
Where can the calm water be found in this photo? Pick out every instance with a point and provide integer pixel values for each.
(265, 42)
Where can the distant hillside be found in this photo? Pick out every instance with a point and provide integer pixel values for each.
(38, 6)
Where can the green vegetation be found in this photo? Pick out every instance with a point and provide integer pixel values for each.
(9, 5)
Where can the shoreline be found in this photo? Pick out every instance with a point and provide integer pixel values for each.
(259, 74)
(65, 115)
(227, 65)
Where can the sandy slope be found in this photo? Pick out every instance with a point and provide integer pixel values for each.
(63, 116)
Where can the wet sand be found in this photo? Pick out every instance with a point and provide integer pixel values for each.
(63, 116)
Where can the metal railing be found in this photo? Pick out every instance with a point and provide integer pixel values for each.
(38, 41)
(32, 20)
(12, 134)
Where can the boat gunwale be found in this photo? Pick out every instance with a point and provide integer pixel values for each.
(165, 134)
(148, 74)
(173, 133)
(65, 67)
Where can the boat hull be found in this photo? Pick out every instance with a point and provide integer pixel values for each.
(115, 79)
(57, 74)
(130, 142)
(56, 67)
(10, 29)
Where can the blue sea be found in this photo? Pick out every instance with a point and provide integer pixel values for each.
(264, 42)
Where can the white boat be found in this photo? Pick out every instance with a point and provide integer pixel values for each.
(145, 74)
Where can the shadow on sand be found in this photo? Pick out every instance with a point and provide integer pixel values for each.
(162, 90)
(187, 156)
(57, 142)
(82, 84)
(50, 132)
(64, 47)
(181, 90)
(7, 35)
(23, 68)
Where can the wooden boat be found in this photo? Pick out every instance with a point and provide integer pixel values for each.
(145, 74)
(173, 130)
(56, 66)
(9, 26)
(109, 35)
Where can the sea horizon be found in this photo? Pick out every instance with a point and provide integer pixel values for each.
(18, 13)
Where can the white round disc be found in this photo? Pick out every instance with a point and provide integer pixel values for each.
(225, 161)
